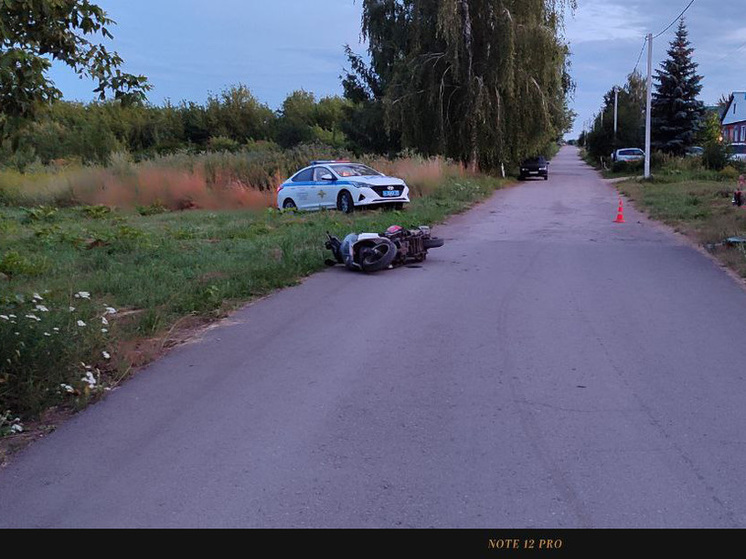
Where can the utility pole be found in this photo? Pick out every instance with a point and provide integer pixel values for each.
(648, 109)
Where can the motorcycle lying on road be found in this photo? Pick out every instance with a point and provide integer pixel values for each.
(371, 252)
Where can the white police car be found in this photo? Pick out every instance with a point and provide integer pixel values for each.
(342, 185)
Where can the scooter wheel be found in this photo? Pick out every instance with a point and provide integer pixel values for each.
(434, 242)
(378, 257)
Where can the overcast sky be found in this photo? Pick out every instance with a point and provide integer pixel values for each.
(188, 48)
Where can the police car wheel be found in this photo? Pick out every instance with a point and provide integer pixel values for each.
(344, 202)
(289, 205)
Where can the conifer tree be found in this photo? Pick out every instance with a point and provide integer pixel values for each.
(676, 111)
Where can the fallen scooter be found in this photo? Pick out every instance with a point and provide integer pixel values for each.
(371, 252)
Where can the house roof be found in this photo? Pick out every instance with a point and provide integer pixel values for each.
(737, 109)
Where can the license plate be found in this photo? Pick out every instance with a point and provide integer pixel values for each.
(533, 172)
(391, 193)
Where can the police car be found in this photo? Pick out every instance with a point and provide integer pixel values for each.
(343, 185)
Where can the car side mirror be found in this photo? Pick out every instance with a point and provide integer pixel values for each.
(327, 177)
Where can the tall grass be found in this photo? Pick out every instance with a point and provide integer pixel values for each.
(209, 181)
(422, 175)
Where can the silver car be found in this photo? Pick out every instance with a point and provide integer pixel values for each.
(628, 154)
(737, 152)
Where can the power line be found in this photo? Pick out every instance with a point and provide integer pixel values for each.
(644, 41)
(677, 18)
(734, 51)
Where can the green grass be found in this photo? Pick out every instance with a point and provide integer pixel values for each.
(156, 269)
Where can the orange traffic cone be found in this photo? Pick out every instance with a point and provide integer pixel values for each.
(620, 213)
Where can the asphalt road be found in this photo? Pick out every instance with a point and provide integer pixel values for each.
(545, 368)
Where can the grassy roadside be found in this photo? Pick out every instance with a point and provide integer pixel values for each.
(700, 209)
(692, 199)
(88, 293)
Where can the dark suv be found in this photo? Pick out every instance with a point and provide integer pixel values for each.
(534, 167)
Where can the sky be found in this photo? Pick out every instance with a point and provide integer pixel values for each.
(189, 48)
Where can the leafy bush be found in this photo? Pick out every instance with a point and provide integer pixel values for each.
(223, 143)
(729, 172)
(627, 166)
(715, 155)
(13, 264)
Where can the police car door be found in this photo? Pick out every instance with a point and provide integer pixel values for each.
(325, 188)
(303, 193)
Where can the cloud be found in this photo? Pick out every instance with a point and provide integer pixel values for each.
(605, 20)
(735, 36)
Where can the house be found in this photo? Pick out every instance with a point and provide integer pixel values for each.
(734, 118)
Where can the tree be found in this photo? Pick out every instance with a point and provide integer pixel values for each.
(676, 112)
(630, 119)
(34, 32)
(304, 120)
(365, 122)
(724, 101)
(295, 124)
(237, 114)
(481, 81)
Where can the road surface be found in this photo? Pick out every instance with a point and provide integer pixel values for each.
(545, 368)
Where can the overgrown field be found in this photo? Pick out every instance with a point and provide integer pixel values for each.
(213, 180)
(89, 291)
(700, 209)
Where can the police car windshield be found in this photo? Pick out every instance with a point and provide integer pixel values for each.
(355, 170)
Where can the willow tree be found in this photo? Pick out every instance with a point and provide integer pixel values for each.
(482, 81)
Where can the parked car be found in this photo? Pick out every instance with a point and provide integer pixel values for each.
(737, 152)
(343, 185)
(695, 151)
(534, 167)
(628, 154)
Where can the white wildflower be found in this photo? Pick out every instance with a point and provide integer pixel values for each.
(72, 309)
(106, 354)
(33, 317)
(47, 334)
(12, 316)
(67, 388)
(16, 428)
(104, 330)
(104, 321)
(81, 323)
(56, 329)
(111, 310)
(4, 317)
(82, 295)
(89, 379)
(41, 308)
(37, 297)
